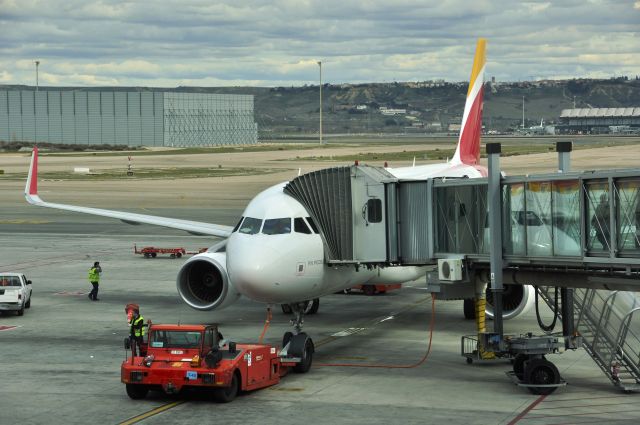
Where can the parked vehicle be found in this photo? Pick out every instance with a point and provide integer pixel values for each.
(15, 293)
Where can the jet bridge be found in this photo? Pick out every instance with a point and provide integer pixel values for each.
(585, 225)
(565, 229)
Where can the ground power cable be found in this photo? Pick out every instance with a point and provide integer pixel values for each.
(392, 366)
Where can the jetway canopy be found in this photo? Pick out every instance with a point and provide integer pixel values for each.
(577, 220)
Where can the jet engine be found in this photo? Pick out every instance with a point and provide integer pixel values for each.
(204, 284)
(516, 299)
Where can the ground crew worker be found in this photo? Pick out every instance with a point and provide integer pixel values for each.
(94, 278)
(137, 331)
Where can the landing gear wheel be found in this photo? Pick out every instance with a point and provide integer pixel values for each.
(518, 365)
(469, 308)
(369, 289)
(227, 394)
(302, 347)
(286, 308)
(541, 372)
(286, 338)
(137, 392)
(311, 307)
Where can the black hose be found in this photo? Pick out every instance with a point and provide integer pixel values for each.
(544, 327)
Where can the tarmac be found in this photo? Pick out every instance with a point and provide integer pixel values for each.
(61, 360)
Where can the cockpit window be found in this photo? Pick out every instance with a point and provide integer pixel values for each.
(235, 229)
(277, 226)
(250, 226)
(312, 224)
(299, 226)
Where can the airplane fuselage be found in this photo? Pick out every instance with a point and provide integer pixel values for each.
(287, 264)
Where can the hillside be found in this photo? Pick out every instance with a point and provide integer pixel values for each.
(430, 107)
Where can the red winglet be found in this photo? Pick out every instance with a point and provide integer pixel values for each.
(33, 172)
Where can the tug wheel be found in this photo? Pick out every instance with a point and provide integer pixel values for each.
(136, 391)
(227, 394)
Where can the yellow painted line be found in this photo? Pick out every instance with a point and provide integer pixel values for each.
(21, 221)
(150, 413)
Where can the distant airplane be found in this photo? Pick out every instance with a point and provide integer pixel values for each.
(535, 129)
(275, 253)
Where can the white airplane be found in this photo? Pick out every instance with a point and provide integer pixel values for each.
(260, 257)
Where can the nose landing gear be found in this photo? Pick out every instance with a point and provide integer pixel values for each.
(297, 345)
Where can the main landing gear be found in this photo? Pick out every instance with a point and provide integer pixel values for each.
(297, 344)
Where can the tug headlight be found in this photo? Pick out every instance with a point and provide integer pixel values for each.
(148, 360)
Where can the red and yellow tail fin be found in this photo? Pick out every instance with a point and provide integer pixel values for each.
(468, 150)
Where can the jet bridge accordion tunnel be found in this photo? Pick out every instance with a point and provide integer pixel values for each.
(587, 222)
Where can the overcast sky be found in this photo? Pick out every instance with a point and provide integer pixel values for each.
(278, 43)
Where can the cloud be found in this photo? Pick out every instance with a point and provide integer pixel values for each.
(179, 42)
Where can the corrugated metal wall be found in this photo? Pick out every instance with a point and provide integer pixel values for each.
(127, 118)
(196, 119)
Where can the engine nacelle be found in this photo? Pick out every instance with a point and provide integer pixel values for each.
(204, 284)
(516, 300)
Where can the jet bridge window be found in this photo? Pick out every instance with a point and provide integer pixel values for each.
(277, 226)
(299, 226)
(250, 225)
(374, 210)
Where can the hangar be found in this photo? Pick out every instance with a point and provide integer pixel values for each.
(132, 118)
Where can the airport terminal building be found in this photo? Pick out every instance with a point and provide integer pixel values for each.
(599, 120)
(132, 118)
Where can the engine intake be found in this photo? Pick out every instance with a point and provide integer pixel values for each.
(516, 299)
(203, 282)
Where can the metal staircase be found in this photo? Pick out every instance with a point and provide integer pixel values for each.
(609, 324)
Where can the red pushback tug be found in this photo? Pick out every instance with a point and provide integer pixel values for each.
(176, 357)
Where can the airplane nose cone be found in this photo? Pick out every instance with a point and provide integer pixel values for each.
(253, 268)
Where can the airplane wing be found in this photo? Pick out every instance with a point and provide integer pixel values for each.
(195, 227)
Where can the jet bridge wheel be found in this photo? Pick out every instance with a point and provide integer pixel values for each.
(519, 365)
(541, 372)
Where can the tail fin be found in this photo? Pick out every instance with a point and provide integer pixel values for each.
(468, 150)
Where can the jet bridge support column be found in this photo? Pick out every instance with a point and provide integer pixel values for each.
(494, 202)
(566, 294)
